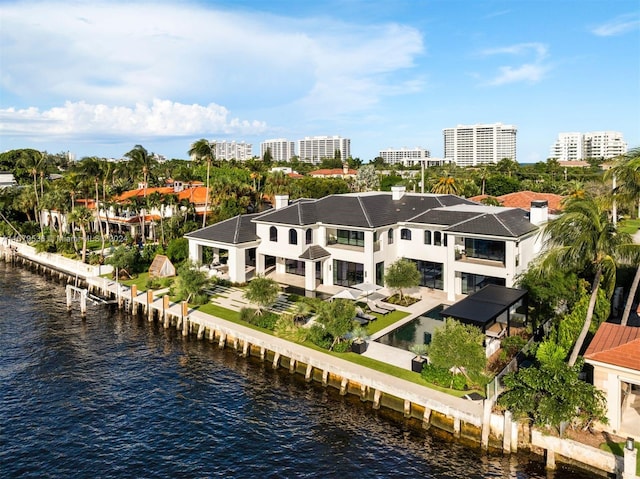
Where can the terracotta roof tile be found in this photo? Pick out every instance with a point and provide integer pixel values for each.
(523, 199)
(616, 345)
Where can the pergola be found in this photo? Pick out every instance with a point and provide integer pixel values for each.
(487, 306)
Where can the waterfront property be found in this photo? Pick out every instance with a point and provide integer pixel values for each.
(614, 354)
(341, 240)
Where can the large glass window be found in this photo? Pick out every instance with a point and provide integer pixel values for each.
(390, 236)
(431, 274)
(351, 238)
(380, 273)
(308, 236)
(273, 234)
(437, 238)
(293, 236)
(475, 282)
(405, 234)
(346, 273)
(295, 267)
(485, 249)
(427, 237)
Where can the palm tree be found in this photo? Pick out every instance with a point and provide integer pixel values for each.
(142, 161)
(446, 185)
(82, 216)
(583, 237)
(204, 150)
(627, 172)
(32, 161)
(574, 188)
(93, 169)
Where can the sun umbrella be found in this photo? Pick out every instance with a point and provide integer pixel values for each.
(367, 288)
(346, 294)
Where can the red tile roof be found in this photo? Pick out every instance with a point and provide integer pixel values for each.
(523, 199)
(616, 345)
(333, 172)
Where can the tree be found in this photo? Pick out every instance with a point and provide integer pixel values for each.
(626, 171)
(508, 166)
(141, 161)
(337, 318)
(204, 150)
(401, 275)
(551, 393)
(190, 283)
(263, 292)
(446, 185)
(367, 179)
(82, 216)
(584, 237)
(33, 162)
(459, 347)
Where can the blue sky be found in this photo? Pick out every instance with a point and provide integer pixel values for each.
(98, 78)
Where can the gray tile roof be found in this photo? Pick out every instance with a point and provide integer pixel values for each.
(364, 210)
(315, 252)
(510, 222)
(236, 230)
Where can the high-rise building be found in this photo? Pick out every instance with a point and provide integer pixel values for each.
(231, 150)
(280, 149)
(314, 149)
(404, 156)
(596, 144)
(470, 145)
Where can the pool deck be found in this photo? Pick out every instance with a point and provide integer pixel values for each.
(430, 298)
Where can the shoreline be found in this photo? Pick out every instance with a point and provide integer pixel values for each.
(468, 422)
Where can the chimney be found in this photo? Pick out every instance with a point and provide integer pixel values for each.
(281, 201)
(398, 192)
(178, 186)
(539, 213)
(345, 168)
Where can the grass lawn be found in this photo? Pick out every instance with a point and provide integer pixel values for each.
(140, 281)
(629, 226)
(385, 320)
(618, 449)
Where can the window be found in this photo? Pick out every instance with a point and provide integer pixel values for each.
(485, 249)
(352, 238)
(427, 237)
(308, 236)
(273, 234)
(293, 236)
(437, 238)
(405, 234)
(390, 236)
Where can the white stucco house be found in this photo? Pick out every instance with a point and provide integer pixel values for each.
(459, 246)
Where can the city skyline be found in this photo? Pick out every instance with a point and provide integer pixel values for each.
(99, 78)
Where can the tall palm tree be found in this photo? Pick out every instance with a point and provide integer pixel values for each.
(32, 161)
(627, 172)
(446, 185)
(204, 150)
(82, 216)
(584, 237)
(93, 169)
(143, 162)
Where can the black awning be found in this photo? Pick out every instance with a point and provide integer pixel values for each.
(483, 307)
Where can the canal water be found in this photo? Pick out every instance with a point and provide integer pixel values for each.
(117, 397)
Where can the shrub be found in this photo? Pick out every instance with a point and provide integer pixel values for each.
(178, 250)
(319, 336)
(266, 320)
(343, 347)
(443, 377)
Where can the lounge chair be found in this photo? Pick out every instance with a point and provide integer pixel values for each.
(386, 306)
(376, 309)
(365, 316)
(361, 321)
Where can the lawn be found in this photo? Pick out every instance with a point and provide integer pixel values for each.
(618, 449)
(385, 320)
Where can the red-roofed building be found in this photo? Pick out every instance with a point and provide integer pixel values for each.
(614, 354)
(344, 172)
(523, 199)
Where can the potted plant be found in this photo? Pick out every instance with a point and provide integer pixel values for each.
(420, 359)
(359, 337)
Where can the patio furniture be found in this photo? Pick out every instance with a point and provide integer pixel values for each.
(386, 306)
(363, 315)
(376, 309)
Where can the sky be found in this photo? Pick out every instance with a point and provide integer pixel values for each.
(97, 78)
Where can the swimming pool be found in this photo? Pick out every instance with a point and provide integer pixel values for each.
(417, 331)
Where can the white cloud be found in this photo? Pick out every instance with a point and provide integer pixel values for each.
(530, 72)
(160, 118)
(618, 26)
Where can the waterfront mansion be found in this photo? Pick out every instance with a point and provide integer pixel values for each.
(458, 245)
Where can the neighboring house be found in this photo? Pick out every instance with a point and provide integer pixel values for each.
(524, 199)
(124, 217)
(614, 353)
(344, 172)
(7, 179)
(458, 246)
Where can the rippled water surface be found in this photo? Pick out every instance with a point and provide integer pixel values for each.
(115, 396)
